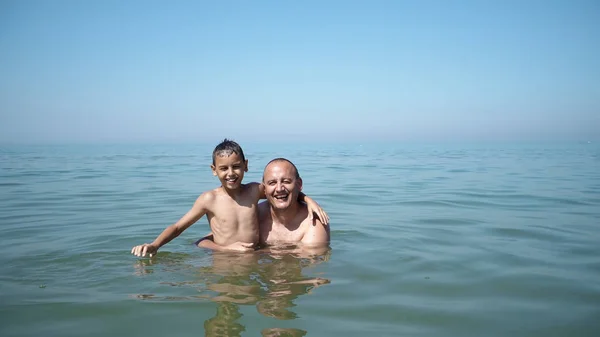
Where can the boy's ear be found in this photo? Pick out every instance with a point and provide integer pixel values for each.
(246, 164)
(213, 169)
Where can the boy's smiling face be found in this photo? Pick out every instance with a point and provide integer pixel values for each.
(230, 170)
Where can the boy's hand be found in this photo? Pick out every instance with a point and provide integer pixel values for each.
(144, 249)
(313, 207)
(240, 246)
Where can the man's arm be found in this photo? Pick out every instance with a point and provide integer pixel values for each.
(209, 243)
(317, 235)
(197, 211)
(261, 191)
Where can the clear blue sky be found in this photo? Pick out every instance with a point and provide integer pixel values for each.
(137, 71)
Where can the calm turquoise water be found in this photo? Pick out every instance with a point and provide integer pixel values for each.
(427, 240)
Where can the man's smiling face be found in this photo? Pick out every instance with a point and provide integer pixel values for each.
(282, 185)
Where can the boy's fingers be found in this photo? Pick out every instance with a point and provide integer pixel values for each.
(322, 217)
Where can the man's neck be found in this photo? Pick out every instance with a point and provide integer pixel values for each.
(285, 217)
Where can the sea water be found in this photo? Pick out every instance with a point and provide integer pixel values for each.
(431, 239)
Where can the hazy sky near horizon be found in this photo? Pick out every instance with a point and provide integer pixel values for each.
(120, 71)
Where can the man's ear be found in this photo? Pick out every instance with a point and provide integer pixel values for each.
(299, 183)
(246, 164)
(213, 169)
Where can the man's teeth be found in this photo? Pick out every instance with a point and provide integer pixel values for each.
(280, 197)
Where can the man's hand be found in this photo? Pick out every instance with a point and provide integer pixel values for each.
(240, 247)
(144, 249)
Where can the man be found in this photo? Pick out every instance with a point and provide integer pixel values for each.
(282, 218)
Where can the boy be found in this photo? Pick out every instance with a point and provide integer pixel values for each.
(231, 209)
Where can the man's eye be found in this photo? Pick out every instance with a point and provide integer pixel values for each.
(236, 167)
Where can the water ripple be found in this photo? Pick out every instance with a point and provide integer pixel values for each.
(437, 240)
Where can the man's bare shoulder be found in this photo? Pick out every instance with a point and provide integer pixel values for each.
(264, 210)
(263, 205)
(315, 232)
(303, 212)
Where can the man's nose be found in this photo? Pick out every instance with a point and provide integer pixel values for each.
(279, 187)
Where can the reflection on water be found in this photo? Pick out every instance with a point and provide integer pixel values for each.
(283, 332)
(269, 279)
(225, 321)
(284, 282)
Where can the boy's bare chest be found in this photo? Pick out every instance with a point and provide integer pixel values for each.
(232, 214)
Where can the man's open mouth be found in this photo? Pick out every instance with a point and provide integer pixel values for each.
(281, 196)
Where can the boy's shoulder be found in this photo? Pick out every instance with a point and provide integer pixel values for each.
(210, 195)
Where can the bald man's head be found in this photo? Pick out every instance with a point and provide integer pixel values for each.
(280, 160)
(282, 184)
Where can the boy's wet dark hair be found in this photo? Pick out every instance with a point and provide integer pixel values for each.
(283, 159)
(226, 148)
